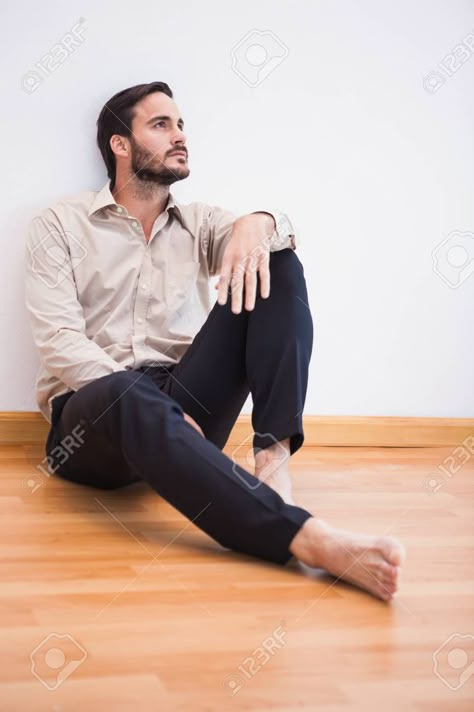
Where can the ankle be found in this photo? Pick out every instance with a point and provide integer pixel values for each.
(267, 455)
(278, 476)
(311, 543)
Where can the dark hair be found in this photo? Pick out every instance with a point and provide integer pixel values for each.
(117, 115)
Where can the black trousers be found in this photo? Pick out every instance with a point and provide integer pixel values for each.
(131, 426)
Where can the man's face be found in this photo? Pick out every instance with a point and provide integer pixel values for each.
(157, 134)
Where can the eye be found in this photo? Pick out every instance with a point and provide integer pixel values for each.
(159, 122)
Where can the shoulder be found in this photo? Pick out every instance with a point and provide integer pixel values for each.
(200, 215)
(57, 218)
(64, 207)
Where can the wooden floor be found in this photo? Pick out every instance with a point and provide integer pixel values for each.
(156, 616)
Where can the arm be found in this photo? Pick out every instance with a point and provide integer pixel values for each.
(218, 226)
(56, 316)
(239, 249)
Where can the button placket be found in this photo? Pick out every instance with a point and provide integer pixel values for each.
(142, 296)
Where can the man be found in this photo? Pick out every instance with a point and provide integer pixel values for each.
(136, 363)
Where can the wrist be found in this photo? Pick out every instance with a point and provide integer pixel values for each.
(262, 224)
(265, 219)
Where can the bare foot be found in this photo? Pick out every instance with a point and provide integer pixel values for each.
(281, 483)
(369, 562)
(271, 467)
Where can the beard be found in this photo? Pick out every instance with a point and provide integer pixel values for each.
(150, 169)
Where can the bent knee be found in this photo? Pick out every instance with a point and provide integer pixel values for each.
(286, 268)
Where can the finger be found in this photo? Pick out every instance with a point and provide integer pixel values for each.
(237, 284)
(264, 273)
(223, 284)
(250, 285)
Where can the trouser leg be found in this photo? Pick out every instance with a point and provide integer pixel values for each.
(279, 347)
(127, 413)
(268, 350)
(265, 351)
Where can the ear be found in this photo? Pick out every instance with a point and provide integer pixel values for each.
(119, 145)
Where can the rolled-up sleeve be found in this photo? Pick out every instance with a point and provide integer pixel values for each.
(284, 235)
(217, 230)
(56, 316)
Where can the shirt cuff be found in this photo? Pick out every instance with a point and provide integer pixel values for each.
(284, 234)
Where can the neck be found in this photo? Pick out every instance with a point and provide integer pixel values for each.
(144, 200)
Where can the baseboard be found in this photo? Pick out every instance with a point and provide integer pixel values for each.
(374, 431)
(332, 430)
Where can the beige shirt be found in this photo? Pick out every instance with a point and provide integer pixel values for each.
(101, 299)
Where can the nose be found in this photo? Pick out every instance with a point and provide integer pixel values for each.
(179, 137)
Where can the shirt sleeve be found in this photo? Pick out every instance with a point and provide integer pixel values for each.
(217, 228)
(56, 316)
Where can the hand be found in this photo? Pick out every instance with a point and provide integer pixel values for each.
(247, 253)
(192, 422)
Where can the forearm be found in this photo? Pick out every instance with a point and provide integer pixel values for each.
(263, 223)
(274, 227)
(74, 359)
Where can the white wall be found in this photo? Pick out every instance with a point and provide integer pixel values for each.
(374, 169)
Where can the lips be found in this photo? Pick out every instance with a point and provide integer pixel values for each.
(178, 153)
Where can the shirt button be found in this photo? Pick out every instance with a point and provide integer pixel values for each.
(144, 286)
(140, 321)
(134, 223)
(119, 209)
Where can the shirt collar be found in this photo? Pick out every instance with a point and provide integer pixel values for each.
(104, 198)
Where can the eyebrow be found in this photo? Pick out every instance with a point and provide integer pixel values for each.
(154, 119)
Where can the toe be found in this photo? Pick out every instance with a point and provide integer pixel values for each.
(391, 573)
(386, 568)
(393, 551)
(389, 586)
(385, 594)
